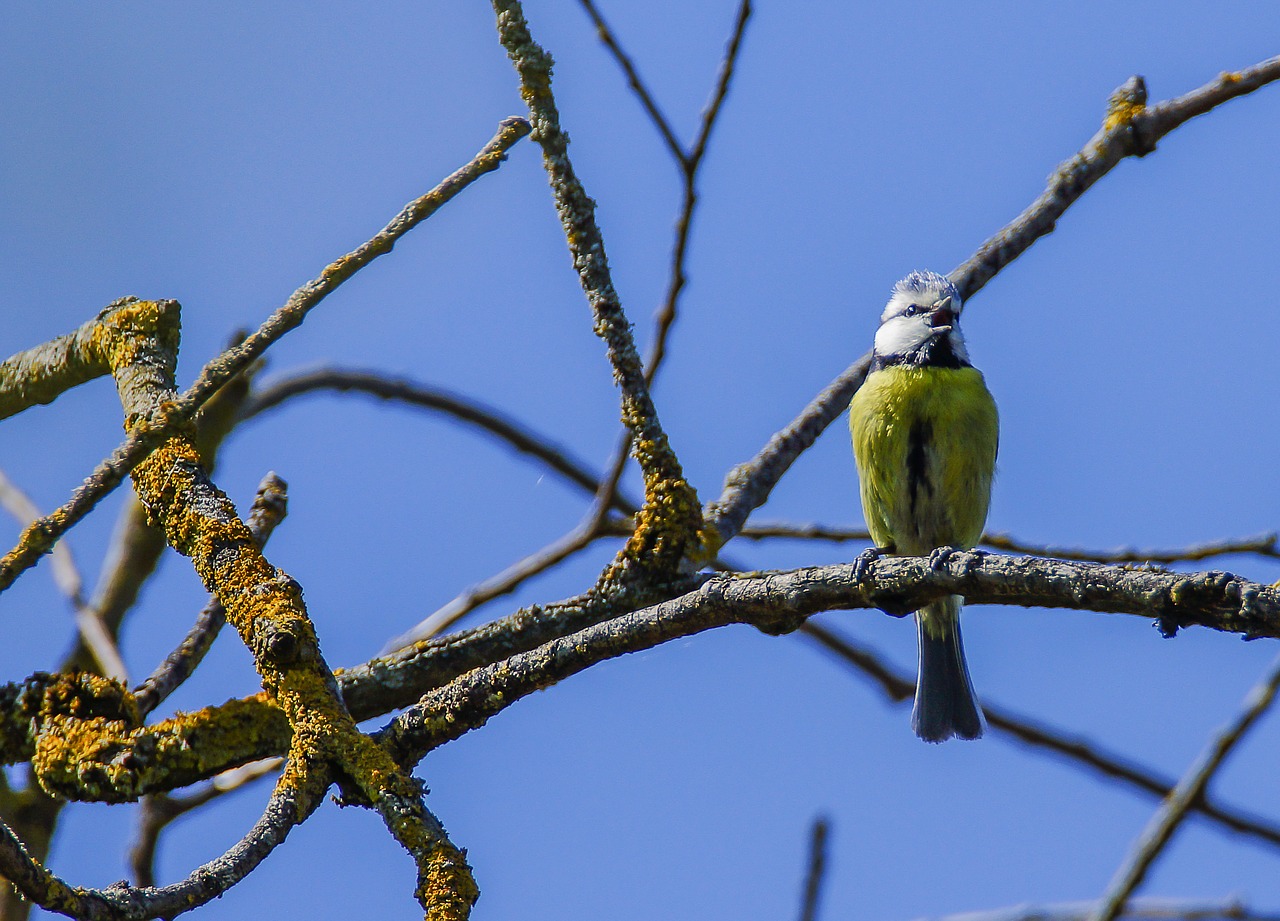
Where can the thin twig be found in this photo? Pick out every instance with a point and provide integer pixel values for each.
(97, 639)
(159, 810)
(127, 903)
(467, 410)
(633, 78)
(816, 869)
(1260, 544)
(690, 164)
(504, 583)
(1129, 130)
(110, 472)
(747, 486)
(900, 687)
(1151, 909)
(270, 505)
(1191, 787)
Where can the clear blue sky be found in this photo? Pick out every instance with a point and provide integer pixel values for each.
(222, 155)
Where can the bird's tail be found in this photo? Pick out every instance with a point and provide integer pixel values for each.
(945, 703)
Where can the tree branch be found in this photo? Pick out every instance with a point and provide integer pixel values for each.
(691, 163)
(125, 903)
(1139, 910)
(778, 602)
(269, 508)
(94, 636)
(160, 810)
(1264, 545)
(637, 85)
(816, 870)
(1159, 831)
(1131, 129)
(504, 583)
(464, 409)
(900, 687)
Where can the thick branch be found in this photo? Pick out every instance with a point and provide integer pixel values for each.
(779, 602)
(269, 508)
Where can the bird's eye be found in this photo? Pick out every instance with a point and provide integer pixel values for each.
(911, 311)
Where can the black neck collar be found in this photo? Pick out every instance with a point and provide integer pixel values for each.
(935, 353)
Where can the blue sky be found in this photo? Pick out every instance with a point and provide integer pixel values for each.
(223, 155)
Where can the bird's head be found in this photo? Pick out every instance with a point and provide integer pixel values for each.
(921, 324)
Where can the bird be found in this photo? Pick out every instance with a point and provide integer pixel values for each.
(925, 434)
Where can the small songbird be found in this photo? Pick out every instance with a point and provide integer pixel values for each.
(924, 431)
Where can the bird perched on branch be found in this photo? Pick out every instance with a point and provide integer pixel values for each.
(924, 431)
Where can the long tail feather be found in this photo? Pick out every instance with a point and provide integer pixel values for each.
(945, 705)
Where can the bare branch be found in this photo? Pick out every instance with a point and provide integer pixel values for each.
(748, 485)
(126, 903)
(465, 409)
(66, 575)
(93, 634)
(633, 78)
(1131, 129)
(691, 163)
(504, 583)
(41, 374)
(900, 687)
(817, 868)
(1139, 909)
(1261, 544)
(109, 473)
(269, 508)
(778, 602)
(160, 810)
(1160, 830)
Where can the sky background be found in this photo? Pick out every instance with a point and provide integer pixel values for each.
(223, 154)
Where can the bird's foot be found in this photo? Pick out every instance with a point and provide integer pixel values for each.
(938, 558)
(862, 564)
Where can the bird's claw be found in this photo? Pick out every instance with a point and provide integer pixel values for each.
(938, 557)
(863, 562)
(976, 557)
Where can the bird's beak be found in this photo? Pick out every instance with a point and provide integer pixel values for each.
(942, 317)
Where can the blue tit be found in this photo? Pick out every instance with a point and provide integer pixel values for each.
(925, 431)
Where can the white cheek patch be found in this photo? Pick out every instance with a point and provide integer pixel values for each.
(902, 335)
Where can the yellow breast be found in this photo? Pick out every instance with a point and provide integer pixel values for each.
(925, 442)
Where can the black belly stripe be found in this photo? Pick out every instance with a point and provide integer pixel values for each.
(918, 438)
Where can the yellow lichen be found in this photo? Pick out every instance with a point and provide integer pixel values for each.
(1122, 112)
